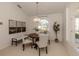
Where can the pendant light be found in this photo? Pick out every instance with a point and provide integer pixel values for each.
(36, 19)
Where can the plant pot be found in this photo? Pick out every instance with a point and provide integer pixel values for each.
(56, 40)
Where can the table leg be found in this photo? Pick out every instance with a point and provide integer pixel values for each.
(46, 50)
(39, 51)
(23, 47)
(12, 42)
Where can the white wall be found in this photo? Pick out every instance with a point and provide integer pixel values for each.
(51, 19)
(9, 11)
(57, 17)
(69, 42)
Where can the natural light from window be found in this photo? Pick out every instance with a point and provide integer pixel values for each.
(43, 25)
(77, 24)
(77, 29)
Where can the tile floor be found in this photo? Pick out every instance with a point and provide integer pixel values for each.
(54, 49)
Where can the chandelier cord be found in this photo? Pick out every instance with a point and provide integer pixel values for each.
(36, 19)
(37, 8)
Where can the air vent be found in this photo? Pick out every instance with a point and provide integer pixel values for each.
(19, 6)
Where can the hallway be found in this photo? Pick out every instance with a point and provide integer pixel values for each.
(54, 49)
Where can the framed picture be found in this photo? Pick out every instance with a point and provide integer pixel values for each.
(19, 26)
(12, 26)
(19, 29)
(23, 29)
(12, 23)
(16, 26)
(12, 30)
(23, 26)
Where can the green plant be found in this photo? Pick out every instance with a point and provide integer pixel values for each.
(36, 29)
(56, 29)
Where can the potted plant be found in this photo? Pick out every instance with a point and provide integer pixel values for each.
(56, 29)
(36, 29)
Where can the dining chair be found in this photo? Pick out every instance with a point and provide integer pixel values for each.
(43, 42)
(26, 40)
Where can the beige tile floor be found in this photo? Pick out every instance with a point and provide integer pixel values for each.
(54, 49)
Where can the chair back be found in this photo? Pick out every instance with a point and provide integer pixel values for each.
(43, 40)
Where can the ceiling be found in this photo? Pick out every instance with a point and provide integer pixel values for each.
(43, 7)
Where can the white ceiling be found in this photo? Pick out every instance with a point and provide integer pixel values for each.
(43, 7)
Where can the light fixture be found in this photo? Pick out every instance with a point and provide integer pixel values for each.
(36, 19)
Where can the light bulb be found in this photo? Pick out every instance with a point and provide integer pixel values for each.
(36, 19)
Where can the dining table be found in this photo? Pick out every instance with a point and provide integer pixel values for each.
(35, 38)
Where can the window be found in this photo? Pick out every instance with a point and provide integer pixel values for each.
(77, 28)
(43, 25)
(77, 25)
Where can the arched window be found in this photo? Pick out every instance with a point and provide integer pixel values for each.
(43, 25)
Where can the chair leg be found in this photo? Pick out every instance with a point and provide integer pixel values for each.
(31, 45)
(16, 43)
(23, 47)
(46, 51)
(39, 51)
(12, 42)
(49, 42)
